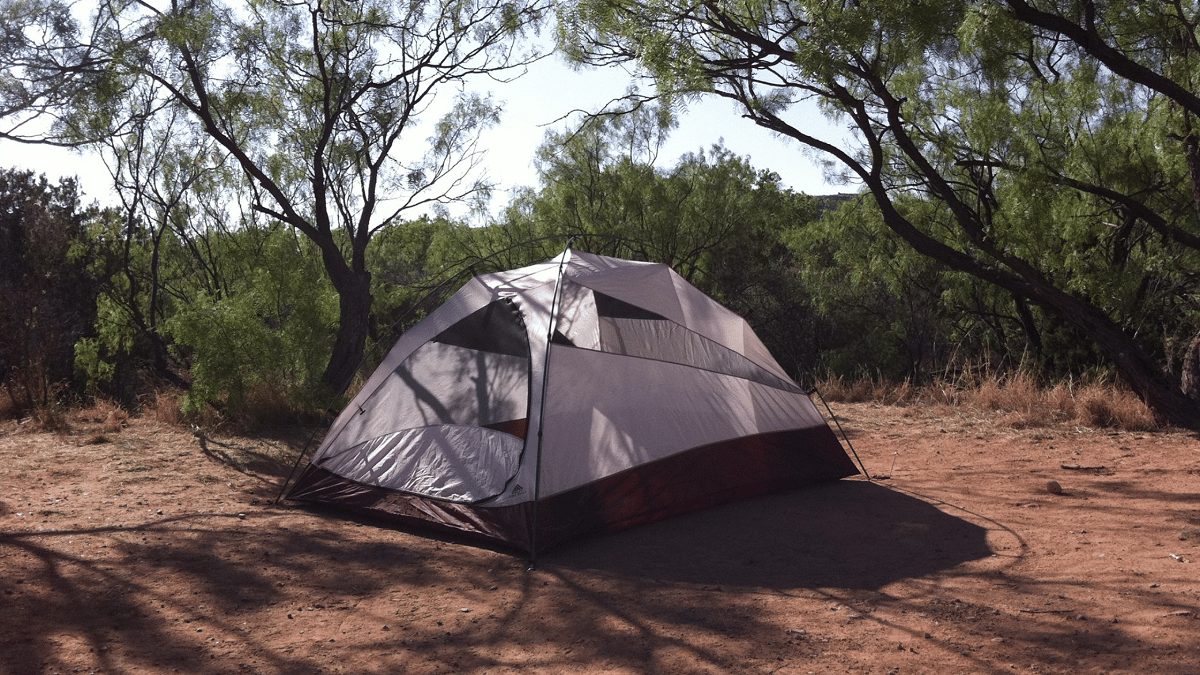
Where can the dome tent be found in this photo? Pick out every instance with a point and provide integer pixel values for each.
(578, 395)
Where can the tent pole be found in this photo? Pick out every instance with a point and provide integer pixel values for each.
(842, 432)
(537, 478)
(299, 456)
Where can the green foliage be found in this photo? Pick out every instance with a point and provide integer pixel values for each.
(414, 266)
(599, 186)
(117, 258)
(47, 296)
(271, 329)
(316, 108)
(1032, 174)
(115, 341)
(881, 304)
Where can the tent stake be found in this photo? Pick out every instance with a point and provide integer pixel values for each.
(843, 433)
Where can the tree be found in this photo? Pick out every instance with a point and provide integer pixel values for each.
(599, 184)
(1003, 129)
(881, 304)
(159, 255)
(44, 64)
(47, 296)
(314, 103)
(261, 334)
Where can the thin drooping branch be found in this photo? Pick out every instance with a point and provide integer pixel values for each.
(1087, 36)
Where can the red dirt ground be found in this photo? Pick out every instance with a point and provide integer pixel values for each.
(136, 551)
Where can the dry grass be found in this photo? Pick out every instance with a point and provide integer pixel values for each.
(268, 406)
(110, 416)
(57, 419)
(1017, 400)
(167, 407)
(1099, 406)
(49, 419)
(867, 389)
(8, 407)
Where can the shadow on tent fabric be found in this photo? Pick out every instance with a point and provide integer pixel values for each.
(846, 534)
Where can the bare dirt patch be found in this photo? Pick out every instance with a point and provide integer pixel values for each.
(130, 549)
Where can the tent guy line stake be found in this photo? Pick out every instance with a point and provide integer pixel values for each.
(843, 433)
(295, 465)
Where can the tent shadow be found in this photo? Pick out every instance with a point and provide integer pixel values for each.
(849, 534)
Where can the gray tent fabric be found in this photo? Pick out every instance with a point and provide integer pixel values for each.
(583, 394)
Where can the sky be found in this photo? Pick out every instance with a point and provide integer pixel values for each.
(551, 89)
(534, 103)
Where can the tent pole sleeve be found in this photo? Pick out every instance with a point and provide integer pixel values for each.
(537, 478)
(842, 432)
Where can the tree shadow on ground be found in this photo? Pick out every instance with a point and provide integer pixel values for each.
(272, 459)
(193, 589)
(848, 534)
(283, 590)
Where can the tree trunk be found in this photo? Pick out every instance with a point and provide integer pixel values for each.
(1149, 382)
(1032, 336)
(1189, 380)
(1024, 279)
(354, 313)
(1133, 364)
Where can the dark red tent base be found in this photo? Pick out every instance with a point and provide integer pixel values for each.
(698, 478)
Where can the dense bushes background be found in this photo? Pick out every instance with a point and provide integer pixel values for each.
(245, 314)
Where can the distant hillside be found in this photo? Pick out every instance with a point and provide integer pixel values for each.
(831, 202)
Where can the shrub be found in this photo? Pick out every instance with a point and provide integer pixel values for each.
(167, 407)
(49, 418)
(104, 412)
(1110, 407)
(275, 339)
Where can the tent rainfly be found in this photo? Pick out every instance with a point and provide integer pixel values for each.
(579, 395)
